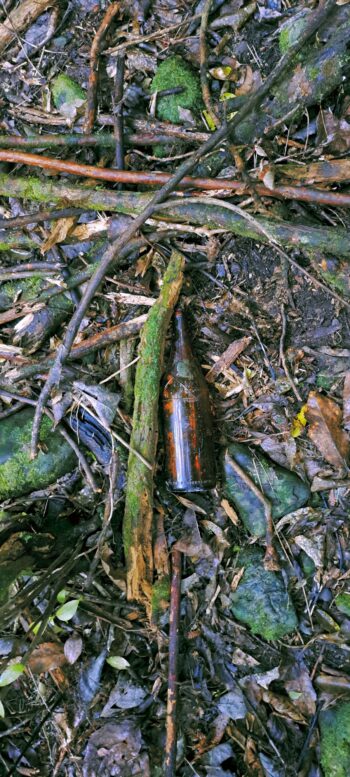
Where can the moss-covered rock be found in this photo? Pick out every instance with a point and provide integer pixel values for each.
(335, 740)
(18, 473)
(284, 489)
(261, 600)
(171, 73)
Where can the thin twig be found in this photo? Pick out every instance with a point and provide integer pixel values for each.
(114, 249)
(118, 113)
(203, 63)
(40, 216)
(111, 12)
(171, 712)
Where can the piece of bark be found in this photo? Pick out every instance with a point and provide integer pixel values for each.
(324, 171)
(20, 18)
(138, 516)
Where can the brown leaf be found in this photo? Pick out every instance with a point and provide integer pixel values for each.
(324, 417)
(283, 706)
(346, 402)
(58, 233)
(46, 657)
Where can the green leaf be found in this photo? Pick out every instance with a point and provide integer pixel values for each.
(62, 596)
(118, 662)
(2, 710)
(10, 674)
(209, 121)
(68, 610)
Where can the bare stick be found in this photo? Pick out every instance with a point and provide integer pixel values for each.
(171, 712)
(203, 64)
(111, 12)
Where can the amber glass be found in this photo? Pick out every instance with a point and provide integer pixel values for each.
(188, 427)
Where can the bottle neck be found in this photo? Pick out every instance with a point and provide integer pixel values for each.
(182, 347)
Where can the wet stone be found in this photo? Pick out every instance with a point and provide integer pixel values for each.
(285, 491)
(261, 600)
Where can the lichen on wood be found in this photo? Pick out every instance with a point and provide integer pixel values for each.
(138, 517)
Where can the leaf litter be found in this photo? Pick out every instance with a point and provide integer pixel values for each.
(264, 655)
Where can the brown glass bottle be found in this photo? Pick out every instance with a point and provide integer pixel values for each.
(188, 428)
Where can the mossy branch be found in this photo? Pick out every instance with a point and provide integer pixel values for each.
(138, 517)
(314, 240)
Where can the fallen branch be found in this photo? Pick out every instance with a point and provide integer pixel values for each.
(138, 517)
(111, 12)
(171, 712)
(302, 193)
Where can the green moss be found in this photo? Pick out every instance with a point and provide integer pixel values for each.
(324, 381)
(29, 288)
(18, 473)
(336, 281)
(335, 740)
(261, 600)
(173, 72)
(342, 602)
(160, 597)
(291, 31)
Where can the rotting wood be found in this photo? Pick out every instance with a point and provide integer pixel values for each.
(138, 516)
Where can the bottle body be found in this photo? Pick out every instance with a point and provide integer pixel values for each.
(188, 428)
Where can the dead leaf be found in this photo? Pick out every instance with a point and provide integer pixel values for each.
(72, 648)
(230, 512)
(346, 402)
(236, 579)
(46, 657)
(61, 229)
(314, 547)
(333, 133)
(191, 543)
(283, 706)
(249, 81)
(324, 417)
(115, 748)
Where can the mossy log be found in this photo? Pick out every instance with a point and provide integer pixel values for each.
(316, 72)
(316, 241)
(138, 517)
